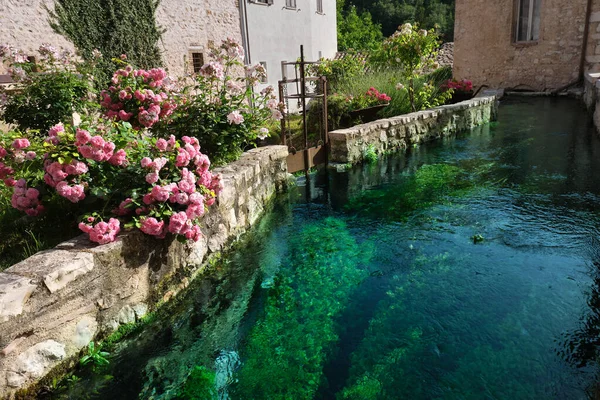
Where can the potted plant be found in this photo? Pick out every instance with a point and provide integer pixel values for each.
(366, 107)
(461, 90)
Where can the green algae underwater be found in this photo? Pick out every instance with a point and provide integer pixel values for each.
(465, 269)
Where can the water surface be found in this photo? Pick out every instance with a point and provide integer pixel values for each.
(465, 269)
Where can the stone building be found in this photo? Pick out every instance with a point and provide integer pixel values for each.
(272, 29)
(538, 45)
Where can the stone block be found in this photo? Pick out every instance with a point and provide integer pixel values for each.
(56, 268)
(14, 293)
(34, 362)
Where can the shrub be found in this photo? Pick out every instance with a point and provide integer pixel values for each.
(140, 96)
(49, 90)
(337, 70)
(412, 51)
(118, 175)
(223, 111)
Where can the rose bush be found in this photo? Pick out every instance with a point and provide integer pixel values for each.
(125, 178)
(142, 97)
(221, 106)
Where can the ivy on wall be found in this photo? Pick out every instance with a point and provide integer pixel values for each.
(113, 27)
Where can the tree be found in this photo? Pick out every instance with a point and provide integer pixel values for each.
(357, 32)
(392, 13)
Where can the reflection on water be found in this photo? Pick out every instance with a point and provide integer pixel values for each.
(467, 269)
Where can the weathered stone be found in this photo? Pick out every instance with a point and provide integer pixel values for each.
(126, 315)
(14, 292)
(35, 362)
(141, 310)
(56, 268)
(85, 330)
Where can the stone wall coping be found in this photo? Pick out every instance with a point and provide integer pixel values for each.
(400, 132)
(419, 115)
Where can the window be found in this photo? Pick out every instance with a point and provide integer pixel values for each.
(265, 78)
(320, 6)
(197, 62)
(267, 2)
(290, 4)
(528, 20)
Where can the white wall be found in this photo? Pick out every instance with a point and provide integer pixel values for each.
(275, 34)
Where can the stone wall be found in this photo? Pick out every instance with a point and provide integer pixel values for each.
(592, 52)
(55, 302)
(398, 133)
(591, 96)
(486, 53)
(189, 26)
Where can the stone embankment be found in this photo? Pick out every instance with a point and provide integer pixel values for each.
(398, 133)
(57, 301)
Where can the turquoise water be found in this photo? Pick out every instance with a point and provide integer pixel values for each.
(465, 269)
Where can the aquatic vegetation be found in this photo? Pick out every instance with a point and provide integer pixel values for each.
(472, 353)
(428, 185)
(200, 385)
(477, 238)
(286, 350)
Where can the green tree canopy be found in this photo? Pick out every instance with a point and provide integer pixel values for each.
(357, 31)
(392, 13)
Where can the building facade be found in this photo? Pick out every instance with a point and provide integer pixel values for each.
(274, 30)
(538, 45)
(189, 26)
(271, 30)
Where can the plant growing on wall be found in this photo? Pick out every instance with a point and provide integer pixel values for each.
(51, 87)
(110, 28)
(412, 51)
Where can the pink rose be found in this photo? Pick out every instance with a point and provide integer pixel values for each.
(21, 144)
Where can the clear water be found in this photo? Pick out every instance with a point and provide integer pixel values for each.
(466, 269)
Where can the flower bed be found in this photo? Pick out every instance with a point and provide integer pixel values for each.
(138, 165)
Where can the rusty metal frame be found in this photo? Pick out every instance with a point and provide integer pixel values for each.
(307, 158)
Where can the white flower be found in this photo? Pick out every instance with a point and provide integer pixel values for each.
(76, 119)
(263, 133)
(399, 86)
(235, 118)
(423, 32)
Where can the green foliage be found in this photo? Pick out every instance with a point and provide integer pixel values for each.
(391, 13)
(288, 347)
(95, 356)
(411, 51)
(113, 27)
(357, 31)
(126, 330)
(338, 70)
(216, 95)
(390, 82)
(370, 154)
(200, 385)
(45, 100)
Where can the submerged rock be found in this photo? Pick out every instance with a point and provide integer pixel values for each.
(225, 366)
